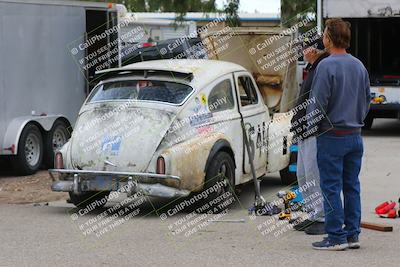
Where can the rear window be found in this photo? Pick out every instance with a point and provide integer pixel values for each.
(147, 90)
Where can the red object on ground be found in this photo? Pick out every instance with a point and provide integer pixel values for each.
(391, 214)
(384, 204)
(385, 208)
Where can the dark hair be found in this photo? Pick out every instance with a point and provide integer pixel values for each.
(339, 32)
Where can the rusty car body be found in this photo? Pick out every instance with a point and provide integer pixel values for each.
(166, 139)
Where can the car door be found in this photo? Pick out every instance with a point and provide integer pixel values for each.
(255, 118)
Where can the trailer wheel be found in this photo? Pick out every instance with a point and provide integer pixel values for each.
(30, 151)
(220, 174)
(288, 175)
(92, 199)
(55, 139)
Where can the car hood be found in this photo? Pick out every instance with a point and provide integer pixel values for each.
(118, 137)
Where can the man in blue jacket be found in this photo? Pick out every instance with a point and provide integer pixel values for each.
(341, 92)
(307, 167)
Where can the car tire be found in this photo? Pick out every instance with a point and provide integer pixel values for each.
(30, 151)
(288, 177)
(368, 122)
(55, 139)
(221, 166)
(86, 199)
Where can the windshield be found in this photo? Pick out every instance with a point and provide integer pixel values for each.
(149, 90)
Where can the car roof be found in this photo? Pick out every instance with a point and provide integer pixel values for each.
(203, 71)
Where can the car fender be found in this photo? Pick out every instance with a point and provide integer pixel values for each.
(220, 145)
(188, 159)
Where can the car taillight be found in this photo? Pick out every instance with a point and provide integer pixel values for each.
(58, 161)
(160, 165)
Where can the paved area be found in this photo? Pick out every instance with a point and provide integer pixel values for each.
(48, 235)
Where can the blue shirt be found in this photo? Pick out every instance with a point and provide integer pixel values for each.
(341, 91)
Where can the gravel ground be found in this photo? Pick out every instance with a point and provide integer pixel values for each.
(27, 189)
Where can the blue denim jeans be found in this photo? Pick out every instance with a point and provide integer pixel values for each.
(339, 163)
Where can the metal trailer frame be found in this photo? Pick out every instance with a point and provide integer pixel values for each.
(40, 82)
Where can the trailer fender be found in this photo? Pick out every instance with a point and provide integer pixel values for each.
(14, 130)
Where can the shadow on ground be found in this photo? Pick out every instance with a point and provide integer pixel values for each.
(383, 128)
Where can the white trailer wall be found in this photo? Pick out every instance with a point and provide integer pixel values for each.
(360, 8)
(37, 71)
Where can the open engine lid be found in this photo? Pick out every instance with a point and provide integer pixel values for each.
(261, 50)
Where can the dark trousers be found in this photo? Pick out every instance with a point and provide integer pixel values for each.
(339, 163)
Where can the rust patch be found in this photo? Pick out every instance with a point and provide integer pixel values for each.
(188, 160)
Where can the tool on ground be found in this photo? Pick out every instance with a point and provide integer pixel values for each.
(287, 197)
(266, 210)
(297, 204)
(377, 227)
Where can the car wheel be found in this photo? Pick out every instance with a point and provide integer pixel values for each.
(288, 176)
(220, 175)
(55, 139)
(93, 199)
(30, 151)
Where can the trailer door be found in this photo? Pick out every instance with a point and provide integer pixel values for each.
(101, 37)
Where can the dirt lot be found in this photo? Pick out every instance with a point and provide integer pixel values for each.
(27, 189)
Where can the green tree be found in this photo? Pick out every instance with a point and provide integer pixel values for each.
(231, 11)
(293, 11)
(181, 7)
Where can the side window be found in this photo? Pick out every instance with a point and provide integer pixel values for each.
(247, 92)
(221, 97)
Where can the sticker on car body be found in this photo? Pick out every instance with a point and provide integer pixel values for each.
(111, 145)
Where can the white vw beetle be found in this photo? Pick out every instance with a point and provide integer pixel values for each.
(170, 126)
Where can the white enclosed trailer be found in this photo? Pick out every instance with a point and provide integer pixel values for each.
(42, 86)
(375, 31)
(155, 29)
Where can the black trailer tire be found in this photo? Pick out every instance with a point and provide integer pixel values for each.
(287, 177)
(55, 139)
(86, 199)
(221, 167)
(368, 122)
(30, 151)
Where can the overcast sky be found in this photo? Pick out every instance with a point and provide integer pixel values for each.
(266, 6)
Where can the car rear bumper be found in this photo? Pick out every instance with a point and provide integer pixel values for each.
(78, 181)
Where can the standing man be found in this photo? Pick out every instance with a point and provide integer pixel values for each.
(307, 168)
(341, 90)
